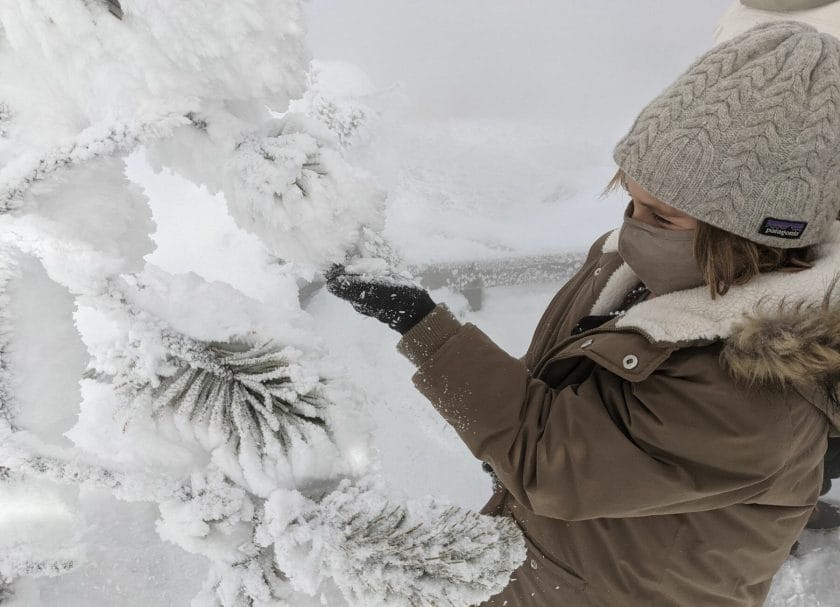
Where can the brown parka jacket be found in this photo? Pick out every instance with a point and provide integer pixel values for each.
(669, 457)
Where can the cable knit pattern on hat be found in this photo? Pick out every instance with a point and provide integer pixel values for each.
(748, 138)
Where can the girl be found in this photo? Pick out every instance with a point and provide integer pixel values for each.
(661, 442)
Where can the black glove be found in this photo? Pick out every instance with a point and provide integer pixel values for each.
(399, 306)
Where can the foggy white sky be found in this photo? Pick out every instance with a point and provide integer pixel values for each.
(586, 67)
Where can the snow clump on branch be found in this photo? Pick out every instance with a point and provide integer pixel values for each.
(295, 191)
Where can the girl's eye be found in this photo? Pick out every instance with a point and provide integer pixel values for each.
(661, 219)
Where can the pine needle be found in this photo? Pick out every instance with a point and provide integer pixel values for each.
(240, 390)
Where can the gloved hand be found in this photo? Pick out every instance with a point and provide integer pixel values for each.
(398, 306)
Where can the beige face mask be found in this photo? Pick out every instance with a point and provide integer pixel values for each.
(662, 259)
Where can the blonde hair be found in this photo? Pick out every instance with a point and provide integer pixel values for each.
(726, 259)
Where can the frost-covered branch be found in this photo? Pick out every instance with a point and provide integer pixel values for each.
(337, 96)
(383, 553)
(353, 542)
(212, 516)
(294, 190)
(23, 458)
(15, 564)
(209, 515)
(94, 142)
(247, 400)
(251, 394)
(255, 582)
(255, 397)
(342, 119)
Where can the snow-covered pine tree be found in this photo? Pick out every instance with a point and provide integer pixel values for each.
(189, 379)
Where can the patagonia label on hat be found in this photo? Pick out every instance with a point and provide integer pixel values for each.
(783, 228)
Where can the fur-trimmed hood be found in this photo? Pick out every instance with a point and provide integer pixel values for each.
(796, 347)
(780, 328)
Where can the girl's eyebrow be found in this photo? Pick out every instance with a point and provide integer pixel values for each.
(658, 209)
(646, 204)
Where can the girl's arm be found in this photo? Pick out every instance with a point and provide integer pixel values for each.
(683, 439)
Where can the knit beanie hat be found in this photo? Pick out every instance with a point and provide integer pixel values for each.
(748, 138)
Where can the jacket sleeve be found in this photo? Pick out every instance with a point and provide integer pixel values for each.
(605, 447)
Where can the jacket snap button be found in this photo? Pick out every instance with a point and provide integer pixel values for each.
(597, 271)
(586, 344)
(630, 362)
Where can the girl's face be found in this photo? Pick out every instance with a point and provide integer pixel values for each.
(653, 211)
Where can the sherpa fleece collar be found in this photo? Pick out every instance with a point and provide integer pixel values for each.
(692, 315)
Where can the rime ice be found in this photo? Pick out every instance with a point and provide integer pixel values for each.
(198, 404)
